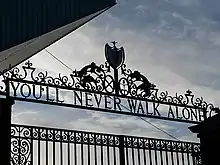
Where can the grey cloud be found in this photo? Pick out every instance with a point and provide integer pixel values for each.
(68, 118)
(185, 37)
(171, 19)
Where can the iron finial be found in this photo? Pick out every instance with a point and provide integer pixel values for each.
(114, 43)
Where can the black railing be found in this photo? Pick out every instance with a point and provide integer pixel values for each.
(32, 145)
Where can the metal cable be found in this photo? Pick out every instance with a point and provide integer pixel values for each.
(58, 60)
(153, 125)
(160, 129)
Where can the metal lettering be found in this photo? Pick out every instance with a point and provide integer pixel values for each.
(98, 100)
(170, 112)
(194, 114)
(40, 92)
(107, 102)
(57, 96)
(76, 96)
(147, 109)
(23, 92)
(132, 105)
(88, 99)
(117, 102)
(140, 107)
(48, 94)
(177, 113)
(15, 88)
(156, 112)
(184, 114)
(200, 115)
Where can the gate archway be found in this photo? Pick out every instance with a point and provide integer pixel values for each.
(102, 88)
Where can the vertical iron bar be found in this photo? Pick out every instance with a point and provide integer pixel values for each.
(95, 149)
(193, 154)
(121, 150)
(19, 146)
(114, 150)
(5, 128)
(161, 153)
(155, 151)
(88, 149)
(116, 81)
(171, 147)
(102, 160)
(167, 160)
(75, 149)
(38, 143)
(182, 150)
(108, 153)
(32, 147)
(47, 147)
(138, 150)
(177, 157)
(144, 154)
(188, 153)
(82, 151)
(68, 148)
(61, 147)
(127, 154)
(193, 159)
(132, 150)
(150, 156)
(54, 149)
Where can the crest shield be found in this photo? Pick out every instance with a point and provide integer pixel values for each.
(115, 56)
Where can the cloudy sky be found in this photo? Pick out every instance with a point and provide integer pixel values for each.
(174, 43)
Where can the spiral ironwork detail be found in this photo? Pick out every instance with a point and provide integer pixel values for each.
(20, 152)
(23, 137)
(94, 78)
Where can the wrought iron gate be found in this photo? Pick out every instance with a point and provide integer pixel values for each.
(96, 88)
(31, 145)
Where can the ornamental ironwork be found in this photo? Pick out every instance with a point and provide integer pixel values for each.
(114, 55)
(109, 87)
(40, 145)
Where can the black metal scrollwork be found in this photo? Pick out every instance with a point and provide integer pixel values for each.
(164, 145)
(20, 146)
(23, 138)
(94, 78)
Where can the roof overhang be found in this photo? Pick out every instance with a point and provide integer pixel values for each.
(20, 52)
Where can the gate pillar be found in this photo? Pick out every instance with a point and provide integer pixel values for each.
(5, 130)
(209, 134)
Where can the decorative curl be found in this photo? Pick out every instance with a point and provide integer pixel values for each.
(94, 78)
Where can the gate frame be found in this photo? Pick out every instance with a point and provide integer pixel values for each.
(5, 129)
(145, 91)
(138, 89)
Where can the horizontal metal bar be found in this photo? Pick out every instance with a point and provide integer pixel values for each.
(27, 132)
(102, 93)
(94, 133)
(102, 110)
